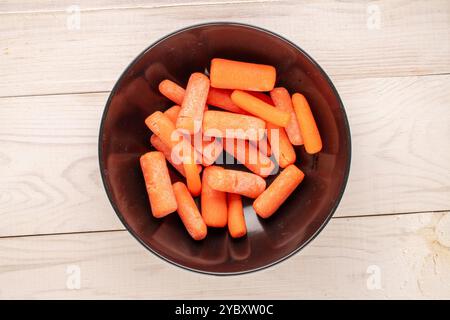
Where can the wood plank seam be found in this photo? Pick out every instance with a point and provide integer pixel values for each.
(144, 7)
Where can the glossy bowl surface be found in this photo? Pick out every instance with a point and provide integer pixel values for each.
(124, 137)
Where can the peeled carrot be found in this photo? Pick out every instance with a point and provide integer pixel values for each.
(283, 102)
(221, 98)
(167, 151)
(249, 156)
(172, 113)
(230, 74)
(172, 91)
(157, 182)
(281, 146)
(165, 129)
(236, 219)
(208, 151)
(161, 125)
(193, 181)
(261, 96)
(233, 181)
(263, 146)
(188, 212)
(211, 150)
(308, 126)
(230, 125)
(259, 108)
(214, 204)
(216, 97)
(278, 191)
(191, 114)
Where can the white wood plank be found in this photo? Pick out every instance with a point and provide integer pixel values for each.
(49, 165)
(25, 6)
(50, 177)
(408, 253)
(40, 55)
(400, 156)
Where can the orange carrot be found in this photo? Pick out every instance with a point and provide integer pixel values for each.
(278, 191)
(193, 181)
(157, 182)
(208, 151)
(161, 125)
(221, 98)
(283, 102)
(191, 113)
(236, 220)
(230, 74)
(281, 146)
(157, 143)
(165, 129)
(247, 154)
(230, 125)
(233, 181)
(308, 126)
(188, 212)
(263, 146)
(261, 96)
(259, 108)
(216, 97)
(214, 204)
(211, 150)
(172, 113)
(172, 91)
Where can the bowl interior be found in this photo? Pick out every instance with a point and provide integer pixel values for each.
(124, 137)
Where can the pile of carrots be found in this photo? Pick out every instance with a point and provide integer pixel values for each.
(191, 137)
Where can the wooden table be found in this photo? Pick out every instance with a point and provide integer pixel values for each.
(390, 61)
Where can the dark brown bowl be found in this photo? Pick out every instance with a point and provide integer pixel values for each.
(124, 137)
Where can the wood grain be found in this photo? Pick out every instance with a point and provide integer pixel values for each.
(26, 6)
(40, 55)
(409, 253)
(50, 177)
(48, 159)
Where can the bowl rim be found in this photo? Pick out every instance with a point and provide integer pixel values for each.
(316, 65)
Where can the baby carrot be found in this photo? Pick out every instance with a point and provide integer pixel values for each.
(278, 191)
(308, 126)
(157, 182)
(208, 151)
(172, 91)
(193, 181)
(216, 97)
(231, 125)
(261, 96)
(172, 113)
(233, 181)
(161, 125)
(263, 146)
(188, 212)
(214, 204)
(236, 220)
(281, 146)
(211, 150)
(157, 143)
(221, 98)
(247, 154)
(259, 108)
(191, 113)
(230, 74)
(283, 102)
